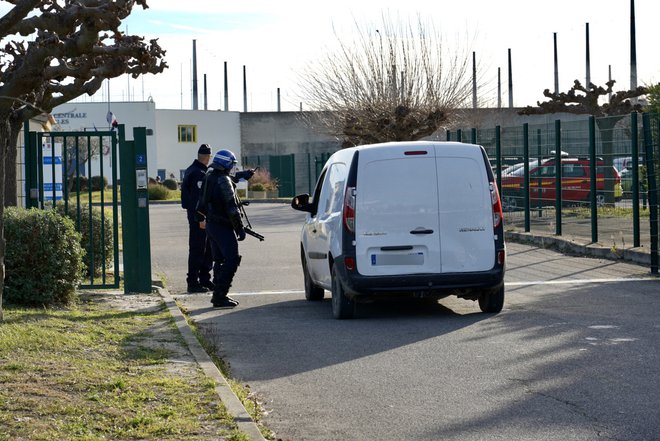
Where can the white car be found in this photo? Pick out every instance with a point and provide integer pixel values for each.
(404, 218)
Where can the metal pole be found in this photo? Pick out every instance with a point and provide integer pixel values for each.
(558, 200)
(498, 156)
(588, 79)
(634, 141)
(510, 83)
(244, 90)
(652, 190)
(526, 176)
(226, 89)
(633, 48)
(556, 65)
(474, 80)
(593, 184)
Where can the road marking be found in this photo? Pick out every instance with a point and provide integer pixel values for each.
(260, 293)
(582, 281)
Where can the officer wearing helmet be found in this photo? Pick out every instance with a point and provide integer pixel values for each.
(224, 227)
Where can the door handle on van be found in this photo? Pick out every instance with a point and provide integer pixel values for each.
(421, 231)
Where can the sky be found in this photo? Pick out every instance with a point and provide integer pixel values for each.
(275, 41)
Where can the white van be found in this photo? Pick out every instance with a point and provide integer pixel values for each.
(404, 218)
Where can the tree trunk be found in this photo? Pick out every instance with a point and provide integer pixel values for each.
(11, 177)
(4, 142)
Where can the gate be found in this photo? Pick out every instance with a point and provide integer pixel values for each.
(75, 174)
(283, 168)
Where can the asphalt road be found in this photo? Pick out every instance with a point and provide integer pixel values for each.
(574, 355)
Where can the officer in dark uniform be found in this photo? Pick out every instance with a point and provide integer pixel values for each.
(223, 224)
(200, 259)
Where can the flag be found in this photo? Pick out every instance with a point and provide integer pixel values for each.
(112, 120)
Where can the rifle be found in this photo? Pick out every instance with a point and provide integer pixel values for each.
(248, 226)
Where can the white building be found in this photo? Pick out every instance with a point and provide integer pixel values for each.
(176, 134)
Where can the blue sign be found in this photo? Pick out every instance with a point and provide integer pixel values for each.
(48, 160)
(140, 159)
(48, 186)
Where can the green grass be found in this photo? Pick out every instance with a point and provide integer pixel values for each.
(249, 400)
(584, 212)
(93, 372)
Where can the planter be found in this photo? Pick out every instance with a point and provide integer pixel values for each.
(256, 194)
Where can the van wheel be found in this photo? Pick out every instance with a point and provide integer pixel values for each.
(342, 306)
(312, 291)
(600, 200)
(492, 301)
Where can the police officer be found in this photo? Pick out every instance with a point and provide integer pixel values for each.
(200, 258)
(223, 225)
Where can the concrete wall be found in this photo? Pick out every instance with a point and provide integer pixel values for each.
(220, 130)
(283, 133)
(92, 116)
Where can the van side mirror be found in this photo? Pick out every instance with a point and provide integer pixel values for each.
(301, 203)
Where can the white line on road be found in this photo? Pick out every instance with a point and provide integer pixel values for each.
(582, 281)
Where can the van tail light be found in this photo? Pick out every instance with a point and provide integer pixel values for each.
(497, 205)
(349, 209)
(349, 262)
(501, 255)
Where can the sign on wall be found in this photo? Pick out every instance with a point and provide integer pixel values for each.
(52, 171)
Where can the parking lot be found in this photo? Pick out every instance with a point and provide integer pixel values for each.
(573, 355)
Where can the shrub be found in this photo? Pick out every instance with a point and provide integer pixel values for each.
(74, 181)
(171, 184)
(43, 257)
(262, 179)
(158, 192)
(92, 241)
(98, 184)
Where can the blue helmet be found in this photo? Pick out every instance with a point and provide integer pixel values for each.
(225, 159)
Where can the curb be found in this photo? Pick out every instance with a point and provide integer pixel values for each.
(234, 406)
(640, 256)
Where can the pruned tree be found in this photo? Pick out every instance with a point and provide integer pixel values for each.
(583, 100)
(52, 52)
(392, 83)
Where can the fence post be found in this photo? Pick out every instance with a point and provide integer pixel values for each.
(448, 135)
(539, 179)
(558, 200)
(526, 175)
(474, 135)
(498, 157)
(593, 182)
(459, 135)
(634, 141)
(135, 210)
(652, 189)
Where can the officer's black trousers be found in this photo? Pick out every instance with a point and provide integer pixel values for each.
(200, 259)
(225, 257)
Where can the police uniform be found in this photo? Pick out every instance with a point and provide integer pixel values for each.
(200, 259)
(223, 225)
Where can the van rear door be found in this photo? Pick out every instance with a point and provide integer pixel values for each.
(465, 209)
(423, 208)
(396, 215)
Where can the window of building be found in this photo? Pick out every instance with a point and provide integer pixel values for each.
(187, 133)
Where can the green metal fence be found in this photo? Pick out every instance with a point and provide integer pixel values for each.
(68, 172)
(612, 199)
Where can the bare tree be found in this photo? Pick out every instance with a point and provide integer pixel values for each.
(52, 52)
(392, 83)
(583, 100)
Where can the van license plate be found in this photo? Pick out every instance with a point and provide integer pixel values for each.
(397, 259)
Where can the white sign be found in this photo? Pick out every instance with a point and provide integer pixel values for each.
(52, 171)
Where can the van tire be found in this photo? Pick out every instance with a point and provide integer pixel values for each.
(492, 301)
(313, 293)
(342, 306)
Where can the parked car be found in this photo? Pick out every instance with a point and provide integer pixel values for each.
(575, 183)
(404, 218)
